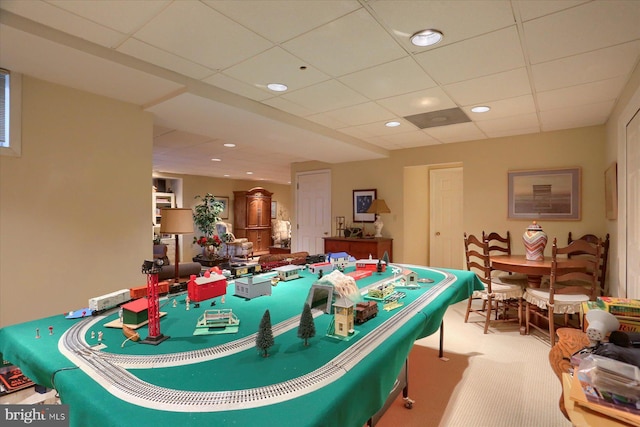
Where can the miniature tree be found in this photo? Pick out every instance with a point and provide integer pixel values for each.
(385, 257)
(307, 328)
(264, 340)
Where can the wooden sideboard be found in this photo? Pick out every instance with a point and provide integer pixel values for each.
(360, 248)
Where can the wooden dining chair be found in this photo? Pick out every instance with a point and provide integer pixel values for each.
(501, 245)
(604, 259)
(567, 289)
(497, 297)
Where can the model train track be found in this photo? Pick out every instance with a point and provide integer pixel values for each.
(126, 386)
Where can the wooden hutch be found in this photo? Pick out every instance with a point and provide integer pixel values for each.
(252, 217)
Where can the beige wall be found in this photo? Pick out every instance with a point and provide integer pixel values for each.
(405, 175)
(75, 207)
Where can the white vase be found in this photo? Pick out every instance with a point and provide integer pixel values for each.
(535, 240)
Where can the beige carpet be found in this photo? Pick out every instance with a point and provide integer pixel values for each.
(502, 379)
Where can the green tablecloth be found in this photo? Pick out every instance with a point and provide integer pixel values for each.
(349, 401)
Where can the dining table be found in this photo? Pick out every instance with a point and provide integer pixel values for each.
(534, 270)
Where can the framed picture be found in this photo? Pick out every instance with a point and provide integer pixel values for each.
(611, 191)
(274, 210)
(225, 202)
(361, 201)
(552, 194)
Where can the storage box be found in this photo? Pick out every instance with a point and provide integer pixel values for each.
(620, 306)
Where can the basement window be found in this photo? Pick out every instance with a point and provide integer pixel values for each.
(10, 113)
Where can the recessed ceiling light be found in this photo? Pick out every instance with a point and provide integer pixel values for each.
(215, 159)
(226, 175)
(392, 124)
(249, 173)
(277, 87)
(481, 109)
(229, 145)
(426, 38)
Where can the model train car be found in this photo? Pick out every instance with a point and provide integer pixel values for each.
(313, 259)
(365, 311)
(108, 301)
(141, 291)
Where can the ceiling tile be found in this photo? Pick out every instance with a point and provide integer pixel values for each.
(484, 55)
(410, 139)
(590, 93)
(275, 66)
(587, 67)
(232, 85)
(422, 101)
(286, 105)
(368, 112)
(456, 133)
(194, 31)
(390, 79)
(508, 84)
(535, 9)
(329, 95)
(458, 20)
(345, 45)
(524, 121)
(504, 108)
(179, 139)
(285, 19)
(571, 117)
(588, 27)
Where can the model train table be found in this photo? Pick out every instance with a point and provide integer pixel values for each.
(223, 379)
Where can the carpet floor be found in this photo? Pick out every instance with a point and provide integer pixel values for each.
(501, 379)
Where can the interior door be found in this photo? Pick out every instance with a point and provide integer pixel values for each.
(446, 248)
(633, 208)
(313, 211)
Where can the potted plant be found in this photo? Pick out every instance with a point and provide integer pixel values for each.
(205, 215)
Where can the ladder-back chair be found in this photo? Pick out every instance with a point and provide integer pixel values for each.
(604, 258)
(567, 289)
(497, 297)
(499, 245)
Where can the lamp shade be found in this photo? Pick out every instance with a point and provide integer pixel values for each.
(176, 221)
(378, 206)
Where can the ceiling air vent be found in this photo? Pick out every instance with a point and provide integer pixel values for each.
(438, 118)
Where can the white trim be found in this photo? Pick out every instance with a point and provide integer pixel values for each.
(15, 117)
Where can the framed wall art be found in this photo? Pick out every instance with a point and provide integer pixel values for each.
(274, 210)
(611, 191)
(552, 194)
(225, 202)
(361, 201)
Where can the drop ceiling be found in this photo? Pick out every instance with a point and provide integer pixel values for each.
(202, 67)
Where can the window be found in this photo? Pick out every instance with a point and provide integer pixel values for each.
(10, 113)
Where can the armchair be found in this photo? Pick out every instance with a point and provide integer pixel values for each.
(232, 246)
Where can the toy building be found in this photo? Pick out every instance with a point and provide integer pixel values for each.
(135, 312)
(204, 288)
(410, 277)
(288, 272)
(325, 267)
(253, 286)
(343, 317)
(341, 260)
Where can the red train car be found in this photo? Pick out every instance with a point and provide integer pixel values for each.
(365, 311)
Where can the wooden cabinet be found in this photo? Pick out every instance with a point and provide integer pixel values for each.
(252, 218)
(360, 248)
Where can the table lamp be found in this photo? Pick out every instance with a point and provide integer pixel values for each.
(176, 221)
(377, 207)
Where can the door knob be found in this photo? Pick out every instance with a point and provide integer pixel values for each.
(437, 233)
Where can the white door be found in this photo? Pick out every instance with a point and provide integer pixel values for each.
(633, 208)
(313, 210)
(446, 248)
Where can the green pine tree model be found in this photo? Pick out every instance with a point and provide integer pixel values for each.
(307, 328)
(264, 340)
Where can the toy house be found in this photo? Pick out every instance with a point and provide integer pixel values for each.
(251, 287)
(288, 272)
(204, 288)
(135, 312)
(341, 260)
(410, 277)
